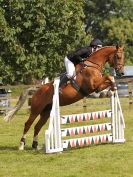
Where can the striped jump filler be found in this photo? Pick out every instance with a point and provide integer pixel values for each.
(85, 116)
(95, 130)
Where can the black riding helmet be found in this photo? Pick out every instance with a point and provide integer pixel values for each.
(96, 42)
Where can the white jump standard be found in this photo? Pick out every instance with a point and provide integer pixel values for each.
(54, 136)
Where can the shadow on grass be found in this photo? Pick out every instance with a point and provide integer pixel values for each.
(41, 149)
(9, 148)
(27, 149)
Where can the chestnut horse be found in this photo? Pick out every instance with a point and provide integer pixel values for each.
(89, 79)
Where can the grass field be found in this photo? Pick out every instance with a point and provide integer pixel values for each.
(110, 160)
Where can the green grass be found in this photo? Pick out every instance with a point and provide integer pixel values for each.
(109, 160)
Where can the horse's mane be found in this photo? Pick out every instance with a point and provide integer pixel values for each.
(101, 49)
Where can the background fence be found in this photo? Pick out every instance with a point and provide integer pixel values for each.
(125, 89)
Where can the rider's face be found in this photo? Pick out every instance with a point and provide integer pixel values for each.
(95, 48)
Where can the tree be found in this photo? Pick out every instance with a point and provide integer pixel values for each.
(111, 21)
(36, 35)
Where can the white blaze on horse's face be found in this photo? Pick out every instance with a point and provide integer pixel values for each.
(119, 62)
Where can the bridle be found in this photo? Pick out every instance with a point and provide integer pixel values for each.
(117, 65)
(92, 65)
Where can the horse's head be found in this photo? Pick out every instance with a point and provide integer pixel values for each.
(117, 60)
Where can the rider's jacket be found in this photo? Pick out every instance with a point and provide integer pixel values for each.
(80, 54)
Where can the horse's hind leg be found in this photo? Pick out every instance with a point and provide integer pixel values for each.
(27, 126)
(43, 119)
(40, 99)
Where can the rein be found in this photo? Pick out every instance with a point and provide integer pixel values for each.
(95, 65)
(83, 66)
(87, 63)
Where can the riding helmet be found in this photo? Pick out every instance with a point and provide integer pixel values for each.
(96, 42)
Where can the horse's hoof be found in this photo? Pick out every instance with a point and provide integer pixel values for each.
(21, 147)
(102, 95)
(109, 93)
(34, 144)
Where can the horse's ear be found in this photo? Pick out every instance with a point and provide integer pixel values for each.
(119, 46)
(122, 46)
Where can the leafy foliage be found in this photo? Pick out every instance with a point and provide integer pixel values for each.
(111, 21)
(35, 35)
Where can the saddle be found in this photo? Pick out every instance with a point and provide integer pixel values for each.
(64, 80)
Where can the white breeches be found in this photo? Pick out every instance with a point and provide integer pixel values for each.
(70, 68)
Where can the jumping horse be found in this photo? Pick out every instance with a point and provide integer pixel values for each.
(89, 78)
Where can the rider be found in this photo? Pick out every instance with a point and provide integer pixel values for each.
(80, 55)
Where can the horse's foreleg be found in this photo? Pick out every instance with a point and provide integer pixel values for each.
(105, 82)
(112, 82)
(43, 119)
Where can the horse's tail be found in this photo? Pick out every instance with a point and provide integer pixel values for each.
(19, 104)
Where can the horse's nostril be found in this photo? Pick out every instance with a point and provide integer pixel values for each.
(119, 74)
